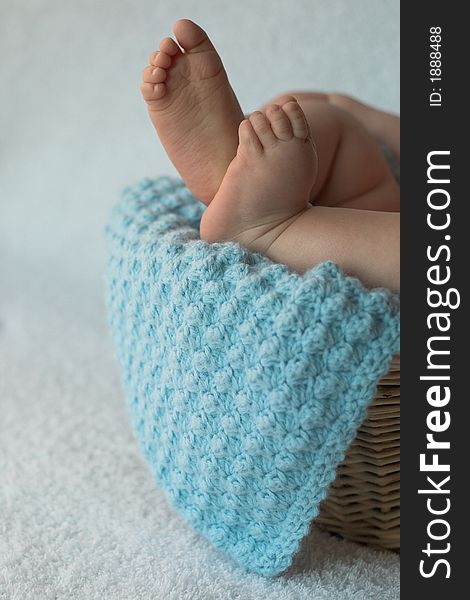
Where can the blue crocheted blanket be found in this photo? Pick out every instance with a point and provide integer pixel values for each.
(246, 381)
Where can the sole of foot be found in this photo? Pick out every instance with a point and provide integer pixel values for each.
(268, 183)
(193, 107)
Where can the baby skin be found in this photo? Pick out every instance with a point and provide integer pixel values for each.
(299, 187)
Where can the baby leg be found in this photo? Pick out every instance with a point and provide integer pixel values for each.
(263, 203)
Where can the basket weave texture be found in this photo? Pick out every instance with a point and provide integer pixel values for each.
(363, 504)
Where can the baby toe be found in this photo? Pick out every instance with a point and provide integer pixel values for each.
(297, 119)
(280, 123)
(263, 129)
(152, 93)
(169, 46)
(154, 75)
(162, 60)
(249, 141)
(191, 37)
(153, 56)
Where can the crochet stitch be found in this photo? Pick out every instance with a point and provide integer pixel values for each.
(246, 381)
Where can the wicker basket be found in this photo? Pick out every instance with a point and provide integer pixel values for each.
(364, 501)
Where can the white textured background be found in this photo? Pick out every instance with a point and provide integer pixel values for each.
(79, 514)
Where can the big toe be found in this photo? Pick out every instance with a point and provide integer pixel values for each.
(191, 37)
(297, 119)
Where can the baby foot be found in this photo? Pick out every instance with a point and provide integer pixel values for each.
(193, 108)
(267, 185)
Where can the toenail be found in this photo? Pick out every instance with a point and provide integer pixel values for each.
(274, 107)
